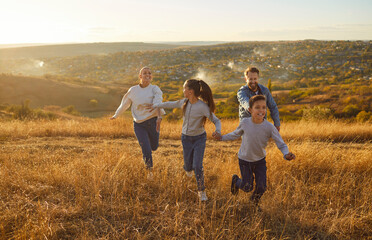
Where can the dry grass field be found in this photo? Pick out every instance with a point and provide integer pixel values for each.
(85, 179)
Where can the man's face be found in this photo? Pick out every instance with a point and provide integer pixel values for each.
(252, 80)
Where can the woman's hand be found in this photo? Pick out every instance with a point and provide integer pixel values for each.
(158, 122)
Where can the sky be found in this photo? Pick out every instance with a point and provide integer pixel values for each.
(78, 21)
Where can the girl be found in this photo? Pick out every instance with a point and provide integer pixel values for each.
(146, 124)
(195, 113)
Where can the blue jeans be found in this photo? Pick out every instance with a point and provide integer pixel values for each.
(148, 138)
(193, 153)
(253, 171)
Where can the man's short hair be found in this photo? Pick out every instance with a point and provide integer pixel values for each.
(252, 70)
(256, 98)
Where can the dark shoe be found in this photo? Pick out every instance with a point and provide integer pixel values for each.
(234, 188)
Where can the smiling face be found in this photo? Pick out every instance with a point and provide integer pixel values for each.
(252, 80)
(145, 77)
(187, 92)
(258, 111)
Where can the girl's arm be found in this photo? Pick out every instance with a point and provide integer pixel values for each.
(171, 104)
(125, 104)
(216, 122)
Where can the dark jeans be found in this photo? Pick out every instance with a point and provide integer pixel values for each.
(253, 171)
(193, 153)
(148, 138)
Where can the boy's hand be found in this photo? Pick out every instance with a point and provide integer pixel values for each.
(290, 156)
(217, 136)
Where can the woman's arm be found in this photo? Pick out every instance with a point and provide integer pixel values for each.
(125, 104)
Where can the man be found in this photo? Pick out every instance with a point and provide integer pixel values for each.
(254, 88)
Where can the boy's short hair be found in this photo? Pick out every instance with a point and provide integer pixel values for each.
(252, 70)
(256, 98)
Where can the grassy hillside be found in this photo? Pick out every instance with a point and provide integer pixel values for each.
(85, 180)
(42, 92)
(334, 75)
(68, 50)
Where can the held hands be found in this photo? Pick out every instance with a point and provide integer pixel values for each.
(290, 156)
(217, 136)
(148, 106)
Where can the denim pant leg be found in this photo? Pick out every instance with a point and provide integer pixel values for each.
(147, 139)
(246, 182)
(199, 148)
(261, 178)
(188, 152)
(193, 153)
(153, 134)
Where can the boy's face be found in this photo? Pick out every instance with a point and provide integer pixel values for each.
(252, 80)
(258, 111)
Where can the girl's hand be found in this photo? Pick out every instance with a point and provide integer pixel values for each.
(290, 156)
(217, 136)
(148, 106)
(158, 122)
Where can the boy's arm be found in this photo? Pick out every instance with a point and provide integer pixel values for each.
(279, 142)
(233, 135)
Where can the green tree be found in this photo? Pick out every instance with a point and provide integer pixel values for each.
(269, 84)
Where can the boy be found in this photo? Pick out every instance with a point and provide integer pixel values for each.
(256, 132)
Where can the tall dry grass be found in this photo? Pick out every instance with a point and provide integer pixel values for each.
(86, 180)
(337, 131)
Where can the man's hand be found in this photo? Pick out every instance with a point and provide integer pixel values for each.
(158, 122)
(290, 156)
(278, 127)
(217, 136)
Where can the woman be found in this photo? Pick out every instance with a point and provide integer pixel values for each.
(146, 123)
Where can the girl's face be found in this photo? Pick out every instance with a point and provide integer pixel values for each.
(145, 76)
(187, 92)
(258, 111)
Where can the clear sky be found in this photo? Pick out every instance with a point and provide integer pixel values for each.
(56, 21)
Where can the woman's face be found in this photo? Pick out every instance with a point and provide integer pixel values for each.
(145, 76)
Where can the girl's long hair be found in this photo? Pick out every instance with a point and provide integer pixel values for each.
(201, 90)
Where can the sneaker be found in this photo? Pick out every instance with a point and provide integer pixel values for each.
(202, 196)
(150, 175)
(190, 174)
(234, 188)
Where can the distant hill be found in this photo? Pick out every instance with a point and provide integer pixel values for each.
(68, 50)
(42, 92)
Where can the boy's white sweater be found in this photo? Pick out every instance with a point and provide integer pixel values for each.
(136, 96)
(255, 139)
